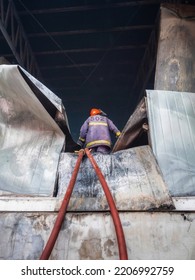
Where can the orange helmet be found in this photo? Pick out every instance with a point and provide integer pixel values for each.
(95, 111)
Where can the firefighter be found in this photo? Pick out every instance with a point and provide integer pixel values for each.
(95, 132)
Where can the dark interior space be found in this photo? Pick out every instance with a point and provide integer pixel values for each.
(89, 53)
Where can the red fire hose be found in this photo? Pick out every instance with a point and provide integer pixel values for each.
(116, 219)
(60, 218)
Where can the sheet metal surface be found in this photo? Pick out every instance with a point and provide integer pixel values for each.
(30, 140)
(54, 99)
(133, 133)
(172, 130)
(132, 175)
(54, 107)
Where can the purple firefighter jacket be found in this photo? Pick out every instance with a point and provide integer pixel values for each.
(96, 131)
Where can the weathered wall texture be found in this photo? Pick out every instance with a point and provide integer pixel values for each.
(132, 175)
(176, 58)
(92, 236)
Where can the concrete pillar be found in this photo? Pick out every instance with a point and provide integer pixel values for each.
(175, 67)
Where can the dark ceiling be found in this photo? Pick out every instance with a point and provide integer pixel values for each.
(89, 53)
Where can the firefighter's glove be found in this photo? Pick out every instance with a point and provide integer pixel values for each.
(118, 134)
(79, 151)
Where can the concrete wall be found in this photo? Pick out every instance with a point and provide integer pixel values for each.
(88, 231)
(176, 58)
(154, 235)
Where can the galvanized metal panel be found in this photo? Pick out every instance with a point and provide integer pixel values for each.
(30, 140)
(132, 176)
(172, 129)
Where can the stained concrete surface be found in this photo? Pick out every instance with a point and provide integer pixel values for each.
(132, 175)
(154, 235)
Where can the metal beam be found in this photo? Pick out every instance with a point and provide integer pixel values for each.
(16, 38)
(83, 50)
(90, 64)
(84, 8)
(92, 31)
(92, 7)
(87, 50)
